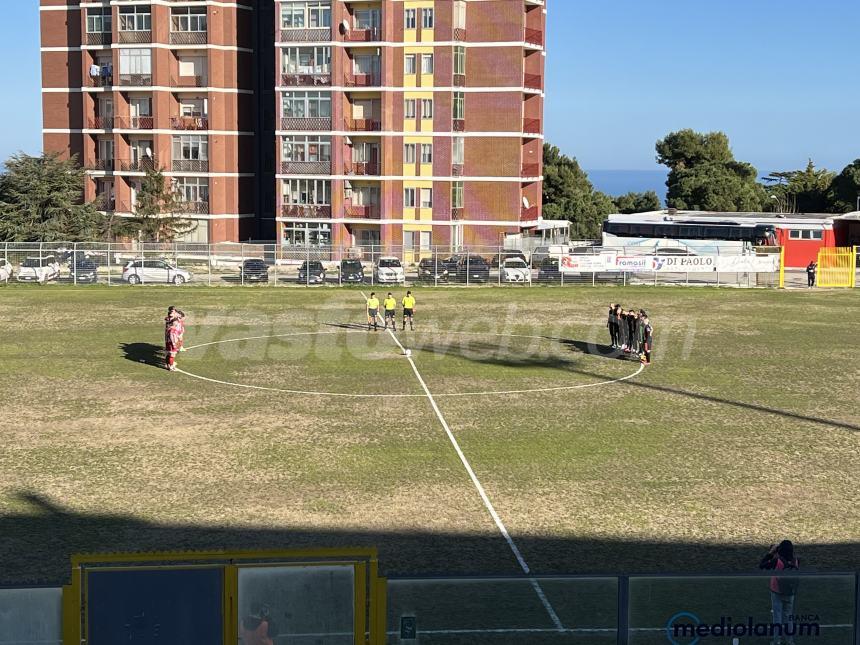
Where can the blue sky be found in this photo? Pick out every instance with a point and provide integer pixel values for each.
(778, 76)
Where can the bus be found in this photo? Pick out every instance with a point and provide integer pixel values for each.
(694, 235)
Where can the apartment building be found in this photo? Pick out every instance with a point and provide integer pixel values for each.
(354, 123)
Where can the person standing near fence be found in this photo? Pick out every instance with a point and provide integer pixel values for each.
(631, 332)
(612, 324)
(622, 327)
(783, 589)
(811, 269)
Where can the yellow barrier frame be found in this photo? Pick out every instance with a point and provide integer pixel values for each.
(837, 267)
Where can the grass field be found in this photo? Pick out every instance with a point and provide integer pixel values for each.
(743, 431)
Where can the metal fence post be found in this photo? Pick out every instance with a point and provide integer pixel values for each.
(75, 263)
(209, 265)
(307, 264)
(242, 265)
(108, 261)
(500, 266)
(623, 610)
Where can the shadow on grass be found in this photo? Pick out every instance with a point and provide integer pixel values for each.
(39, 540)
(143, 353)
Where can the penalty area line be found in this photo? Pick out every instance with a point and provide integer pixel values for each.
(483, 493)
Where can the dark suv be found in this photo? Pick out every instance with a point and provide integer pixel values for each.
(472, 268)
(254, 270)
(549, 271)
(351, 271)
(311, 272)
(433, 270)
(82, 269)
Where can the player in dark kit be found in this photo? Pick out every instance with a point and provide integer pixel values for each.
(647, 340)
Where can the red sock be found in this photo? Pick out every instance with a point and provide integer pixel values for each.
(170, 360)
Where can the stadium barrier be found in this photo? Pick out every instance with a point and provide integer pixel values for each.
(837, 267)
(336, 597)
(231, 264)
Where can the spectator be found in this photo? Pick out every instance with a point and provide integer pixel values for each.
(783, 588)
(811, 268)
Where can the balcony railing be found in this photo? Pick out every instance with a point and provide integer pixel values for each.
(360, 80)
(189, 37)
(106, 165)
(99, 38)
(100, 123)
(459, 33)
(534, 37)
(529, 214)
(190, 165)
(459, 125)
(457, 170)
(361, 35)
(306, 167)
(305, 123)
(317, 211)
(459, 80)
(305, 35)
(361, 211)
(363, 125)
(457, 213)
(189, 123)
(135, 37)
(104, 203)
(532, 81)
(134, 122)
(531, 126)
(100, 81)
(138, 165)
(362, 168)
(126, 207)
(136, 80)
(295, 79)
(530, 170)
(188, 81)
(191, 208)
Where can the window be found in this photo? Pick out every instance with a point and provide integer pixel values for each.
(192, 189)
(99, 21)
(307, 192)
(409, 198)
(459, 105)
(409, 64)
(817, 235)
(306, 15)
(427, 64)
(305, 234)
(192, 107)
(307, 104)
(409, 19)
(459, 59)
(135, 61)
(426, 153)
(138, 107)
(306, 148)
(457, 194)
(794, 234)
(366, 19)
(459, 14)
(409, 108)
(135, 19)
(426, 108)
(426, 198)
(427, 18)
(191, 147)
(188, 19)
(306, 60)
(409, 151)
(458, 151)
(105, 149)
(804, 234)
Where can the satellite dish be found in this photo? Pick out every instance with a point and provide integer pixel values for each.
(526, 202)
(345, 26)
(148, 152)
(348, 141)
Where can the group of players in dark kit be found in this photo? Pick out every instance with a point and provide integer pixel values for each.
(631, 332)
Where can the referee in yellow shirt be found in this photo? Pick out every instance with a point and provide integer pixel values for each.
(408, 303)
(390, 307)
(372, 312)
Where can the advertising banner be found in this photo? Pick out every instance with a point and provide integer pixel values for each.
(587, 263)
(610, 262)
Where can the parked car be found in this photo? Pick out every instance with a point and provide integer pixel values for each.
(432, 269)
(351, 271)
(6, 270)
(390, 270)
(516, 270)
(254, 270)
(83, 270)
(311, 272)
(549, 271)
(472, 268)
(40, 269)
(155, 271)
(506, 255)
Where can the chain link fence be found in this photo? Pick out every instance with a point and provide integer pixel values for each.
(235, 264)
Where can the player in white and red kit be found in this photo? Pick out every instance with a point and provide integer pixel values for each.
(174, 330)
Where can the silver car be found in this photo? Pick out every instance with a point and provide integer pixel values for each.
(154, 271)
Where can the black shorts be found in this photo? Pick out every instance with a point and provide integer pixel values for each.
(389, 313)
(371, 313)
(408, 313)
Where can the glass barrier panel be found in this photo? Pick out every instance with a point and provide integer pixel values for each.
(31, 616)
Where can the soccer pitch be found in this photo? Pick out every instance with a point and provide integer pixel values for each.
(290, 425)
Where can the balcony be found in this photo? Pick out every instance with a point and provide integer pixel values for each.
(360, 80)
(132, 37)
(190, 165)
(100, 81)
(361, 211)
(530, 170)
(306, 167)
(189, 37)
(189, 123)
(144, 164)
(191, 208)
(104, 165)
(362, 168)
(306, 35)
(534, 37)
(531, 126)
(134, 122)
(104, 203)
(100, 123)
(362, 35)
(457, 170)
(363, 125)
(459, 125)
(99, 38)
(136, 80)
(459, 80)
(315, 211)
(291, 79)
(529, 214)
(305, 123)
(188, 81)
(459, 33)
(457, 213)
(532, 81)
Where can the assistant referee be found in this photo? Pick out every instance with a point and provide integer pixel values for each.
(408, 303)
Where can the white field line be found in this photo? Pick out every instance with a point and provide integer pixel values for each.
(483, 493)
